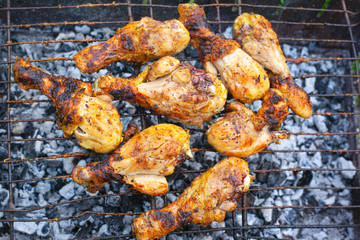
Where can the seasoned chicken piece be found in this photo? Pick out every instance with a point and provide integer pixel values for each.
(137, 42)
(244, 78)
(259, 40)
(206, 200)
(94, 123)
(168, 87)
(299, 101)
(142, 162)
(242, 133)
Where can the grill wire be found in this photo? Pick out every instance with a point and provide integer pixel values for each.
(349, 43)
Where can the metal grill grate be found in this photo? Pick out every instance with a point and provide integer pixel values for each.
(348, 21)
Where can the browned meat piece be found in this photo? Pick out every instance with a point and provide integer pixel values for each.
(137, 42)
(259, 40)
(244, 78)
(142, 162)
(94, 123)
(299, 101)
(242, 133)
(168, 87)
(206, 200)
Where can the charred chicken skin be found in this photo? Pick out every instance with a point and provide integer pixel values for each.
(206, 200)
(137, 42)
(245, 79)
(142, 162)
(259, 40)
(242, 133)
(168, 87)
(94, 123)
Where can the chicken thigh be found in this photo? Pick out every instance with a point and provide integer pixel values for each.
(207, 199)
(259, 40)
(168, 87)
(142, 162)
(245, 79)
(137, 42)
(94, 123)
(242, 133)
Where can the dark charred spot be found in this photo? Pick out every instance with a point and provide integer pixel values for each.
(275, 98)
(237, 128)
(233, 180)
(126, 42)
(184, 217)
(124, 93)
(182, 157)
(102, 171)
(277, 81)
(200, 80)
(167, 219)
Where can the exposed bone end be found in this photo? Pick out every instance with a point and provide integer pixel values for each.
(102, 86)
(162, 67)
(210, 68)
(82, 176)
(152, 185)
(100, 129)
(182, 75)
(105, 97)
(281, 135)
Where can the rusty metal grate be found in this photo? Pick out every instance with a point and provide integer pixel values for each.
(348, 22)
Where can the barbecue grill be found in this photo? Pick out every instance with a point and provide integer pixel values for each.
(38, 198)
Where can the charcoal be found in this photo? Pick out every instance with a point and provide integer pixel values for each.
(4, 197)
(26, 227)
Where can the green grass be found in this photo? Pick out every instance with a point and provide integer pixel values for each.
(281, 4)
(324, 6)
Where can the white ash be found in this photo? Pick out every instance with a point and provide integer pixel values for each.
(26, 227)
(41, 193)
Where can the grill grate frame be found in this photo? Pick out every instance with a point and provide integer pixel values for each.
(242, 207)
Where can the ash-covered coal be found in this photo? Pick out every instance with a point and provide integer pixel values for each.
(72, 224)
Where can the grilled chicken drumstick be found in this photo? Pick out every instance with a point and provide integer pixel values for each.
(259, 40)
(137, 42)
(142, 162)
(244, 77)
(206, 200)
(168, 87)
(94, 123)
(242, 133)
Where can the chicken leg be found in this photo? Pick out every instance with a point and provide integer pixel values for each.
(94, 123)
(142, 162)
(245, 79)
(207, 199)
(259, 40)
(168, 87)
(137, 42)
(242, 133)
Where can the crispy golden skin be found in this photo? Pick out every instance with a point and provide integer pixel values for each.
(259, 40)
(142, 162)
(242, 133)
(178, 91)
(94, 123)
(137, 42)
(244, 78)
(206, 200)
